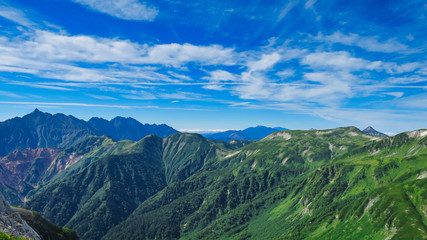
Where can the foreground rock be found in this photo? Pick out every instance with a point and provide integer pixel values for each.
(12, 223)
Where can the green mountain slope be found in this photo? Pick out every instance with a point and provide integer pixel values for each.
(46, 229)
(105, 192)
(327, 184)
(337, 183)
(113, 178)
(24, 172)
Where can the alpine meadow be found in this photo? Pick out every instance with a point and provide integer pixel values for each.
(227, 119)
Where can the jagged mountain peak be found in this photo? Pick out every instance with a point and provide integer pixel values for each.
(371, 131)
(120, 128)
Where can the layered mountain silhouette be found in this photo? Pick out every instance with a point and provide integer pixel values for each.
(41, 130)
(121, 128)
(44, 130)
(294, 184)
(252, 133)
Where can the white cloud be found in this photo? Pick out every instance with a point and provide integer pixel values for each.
(178, 54)
(39, 85)
(255, 83)
(221, 76)
(179, 76)
(309, 4)
(122, 9)
(182, 95)
(53, 46)
(370, 43)
(286, 73)
(340, 60)
(418, 101)
(288, 7)
(407, 80)
(56, 56)
(10, 94)
(394, 68)
(256, 87)
(216, 87)
(101, 97)
(267, 61)
(328, 87)
(50, 46)
(16, 16)
(17, 69)
(394, 94)
(139, 95)
(68, 104)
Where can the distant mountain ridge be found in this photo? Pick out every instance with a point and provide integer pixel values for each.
(41, 130)
(44, 130)
(371, 131)
(120, 128)
(251, 133)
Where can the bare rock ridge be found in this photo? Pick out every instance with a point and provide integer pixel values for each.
(12, 223)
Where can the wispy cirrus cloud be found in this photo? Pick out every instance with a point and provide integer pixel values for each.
(369, 43)
(122, 9)
(39, 85)
(10, 94)
(74, 104)
(57, 56)
(16, 16)
(68, 104)
(340, 60)
(178, 54)
(101, 97)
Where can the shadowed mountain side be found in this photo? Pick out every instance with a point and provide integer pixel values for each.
(41, 130)
(121, 128)
(44, 130)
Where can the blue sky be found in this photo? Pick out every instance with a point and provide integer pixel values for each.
(213, 65)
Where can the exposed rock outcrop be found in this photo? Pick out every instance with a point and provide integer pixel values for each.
(12, 223)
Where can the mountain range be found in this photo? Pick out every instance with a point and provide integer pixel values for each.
(293, 184)
(251, 133)
(44, 130)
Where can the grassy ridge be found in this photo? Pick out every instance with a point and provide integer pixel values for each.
(328, 184)
(336, 184)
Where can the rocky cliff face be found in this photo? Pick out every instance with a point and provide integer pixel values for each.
(12, 223)
(25, 170)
